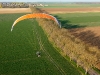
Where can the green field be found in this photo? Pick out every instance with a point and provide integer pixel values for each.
(77, 20)
(18, 50)
(70, 5)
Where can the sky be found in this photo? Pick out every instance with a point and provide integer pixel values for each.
(49, 0)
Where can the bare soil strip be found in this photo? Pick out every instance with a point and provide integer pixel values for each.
(14, 10)
(72, 10)
(95, 30)
(50, 10)
(90, 35)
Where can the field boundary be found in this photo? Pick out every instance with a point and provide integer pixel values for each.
(50, 10)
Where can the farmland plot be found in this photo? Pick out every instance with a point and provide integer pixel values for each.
(78, 20)
(18, 50)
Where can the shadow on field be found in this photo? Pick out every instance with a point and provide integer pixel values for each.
(87, 36)
(66, 24)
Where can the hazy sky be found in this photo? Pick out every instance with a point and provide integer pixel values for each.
(49, 0)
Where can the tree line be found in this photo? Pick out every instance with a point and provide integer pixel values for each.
(14, 5)
(17, 5)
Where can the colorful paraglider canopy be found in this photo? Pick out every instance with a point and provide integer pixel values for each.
(35, 15)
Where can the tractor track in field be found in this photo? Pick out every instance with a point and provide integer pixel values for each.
(50, 58)
(47, 53)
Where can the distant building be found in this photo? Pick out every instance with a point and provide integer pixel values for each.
(46, 5)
